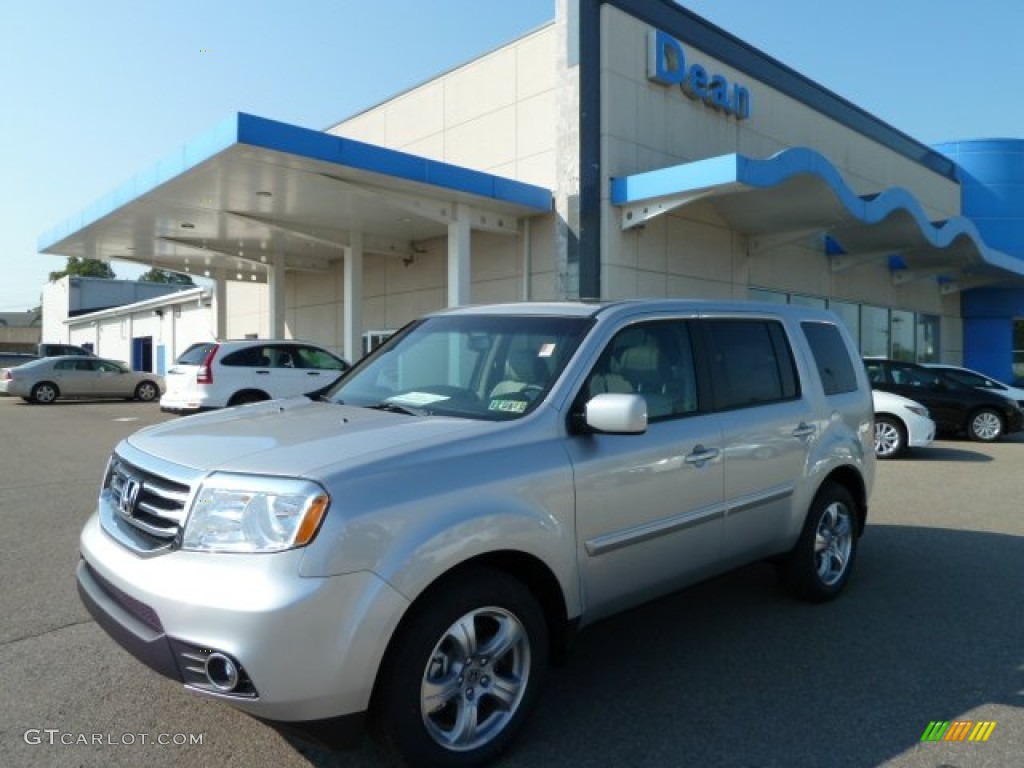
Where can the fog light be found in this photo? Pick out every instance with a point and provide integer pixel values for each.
(222, 672)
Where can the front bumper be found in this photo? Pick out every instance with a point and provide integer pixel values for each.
(309, 648)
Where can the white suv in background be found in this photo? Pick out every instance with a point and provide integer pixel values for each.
(220, 374)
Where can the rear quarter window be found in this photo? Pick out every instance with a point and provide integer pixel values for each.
(835, 369)
(195, 354)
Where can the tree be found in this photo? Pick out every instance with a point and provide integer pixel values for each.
(84, 268)
(156, 275)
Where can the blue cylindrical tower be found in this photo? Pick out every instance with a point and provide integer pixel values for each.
(991, 173)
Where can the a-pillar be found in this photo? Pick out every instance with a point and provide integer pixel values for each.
(353, 319)
(459, 257)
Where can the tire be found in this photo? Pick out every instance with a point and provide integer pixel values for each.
(463, 671)
(986, 425)
(147, 391)
(890, 437)
(819, 566)
(44, 393)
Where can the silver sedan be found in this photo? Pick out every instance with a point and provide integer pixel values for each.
(49, 378)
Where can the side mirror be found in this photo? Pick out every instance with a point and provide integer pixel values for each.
(617, 414)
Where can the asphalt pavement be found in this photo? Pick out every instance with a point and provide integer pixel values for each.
(730, 673)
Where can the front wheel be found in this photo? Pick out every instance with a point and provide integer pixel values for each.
(147, 391)
(890, 437)
(463, 671)
(986, 426)
(819, 566)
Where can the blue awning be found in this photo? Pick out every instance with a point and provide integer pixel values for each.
(799, 191)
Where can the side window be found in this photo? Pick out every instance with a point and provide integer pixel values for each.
(876, 372)
(650, 359)
(310, 357)
(64, 365)
(106, 367)
(751, 363)
(833, 361)
(249, 357)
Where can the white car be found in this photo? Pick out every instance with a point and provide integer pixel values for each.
(900, 423)
(979, 380)
(221, 374)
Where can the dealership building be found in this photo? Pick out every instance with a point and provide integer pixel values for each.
(628, 148)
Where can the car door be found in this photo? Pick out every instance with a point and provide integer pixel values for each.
(947, 404)
(112, 380)
(648, 506)
(768, 426)
(75, 377)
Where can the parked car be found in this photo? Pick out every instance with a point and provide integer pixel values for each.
(48, 349)
(980, 380)
(900, 424)
(956, 408)
(418, 542)
(72, 376)
(226, 373)
(14, 359)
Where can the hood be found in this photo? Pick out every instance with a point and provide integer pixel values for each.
(296, 437)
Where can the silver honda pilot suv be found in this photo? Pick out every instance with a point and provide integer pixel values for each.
(418, 541)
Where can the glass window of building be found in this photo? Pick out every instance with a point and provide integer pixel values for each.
(772, 297)
(874, 331)
(903, 335)
(806, 301)
(928, 339)
(849, 313)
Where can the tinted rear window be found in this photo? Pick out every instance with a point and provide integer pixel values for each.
(751, 363)
(834, 366)
(195, 354)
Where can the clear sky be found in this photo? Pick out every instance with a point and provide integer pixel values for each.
(94, 92)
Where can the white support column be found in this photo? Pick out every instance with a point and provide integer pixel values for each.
(459, 257)
(275, 296)
(353, 334)
(220, 304)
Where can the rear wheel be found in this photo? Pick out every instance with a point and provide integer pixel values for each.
(986, 425)
(463, 672)
(819, 566)
(890, 437)
(44, 393)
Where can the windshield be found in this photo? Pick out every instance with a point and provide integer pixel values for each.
(473, 366)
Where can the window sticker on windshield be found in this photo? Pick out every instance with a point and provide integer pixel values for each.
(507, 406)
(546, 350)
(417, 398)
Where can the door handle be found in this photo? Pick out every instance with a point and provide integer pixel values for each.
(262, 373)
(312, 373)
(804, 430)
(701, 454)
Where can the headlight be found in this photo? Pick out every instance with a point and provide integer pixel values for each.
(920, 411)
(244, 513)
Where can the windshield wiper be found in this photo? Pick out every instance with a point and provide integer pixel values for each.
(408, 410)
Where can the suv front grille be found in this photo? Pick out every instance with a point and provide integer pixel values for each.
(153, 507)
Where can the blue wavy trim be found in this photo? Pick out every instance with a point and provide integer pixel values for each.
(736, 170)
